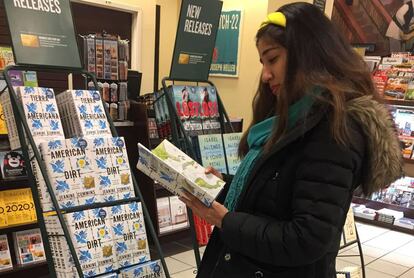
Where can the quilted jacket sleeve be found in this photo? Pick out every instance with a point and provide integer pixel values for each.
(323, 185)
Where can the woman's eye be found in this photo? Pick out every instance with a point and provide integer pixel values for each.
(273, 60)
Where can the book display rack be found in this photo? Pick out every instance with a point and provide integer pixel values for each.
(73, 229)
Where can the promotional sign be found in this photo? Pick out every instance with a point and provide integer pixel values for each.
(226, 52)
(194, 43)
(43, 33)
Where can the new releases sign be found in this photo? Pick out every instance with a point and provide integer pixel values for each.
(194, 43)
(42, 33)
(226, 51)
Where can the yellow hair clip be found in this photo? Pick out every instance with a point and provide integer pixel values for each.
(276, 18)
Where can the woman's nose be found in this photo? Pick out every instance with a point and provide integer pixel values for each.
(266, 75)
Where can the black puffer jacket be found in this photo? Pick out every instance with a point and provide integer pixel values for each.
(288, 220)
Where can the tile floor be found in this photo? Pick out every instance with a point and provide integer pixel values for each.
(387, 254)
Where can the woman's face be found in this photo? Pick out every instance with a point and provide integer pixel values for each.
(273, 57)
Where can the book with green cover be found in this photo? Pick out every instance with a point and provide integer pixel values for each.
(177, 172)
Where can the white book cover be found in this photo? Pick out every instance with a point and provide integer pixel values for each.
(29, 246)
(405, 223)
(5, 258)
(83, 109)
(149, 269)
(176, 171)
(112, 168)
(69, 165)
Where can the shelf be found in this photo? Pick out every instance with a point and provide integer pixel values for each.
(19, 227)
(17, 183)
(408, 160)
(168, 233)
(19, 268)
(385, 225)
(379, 205)
(399, 102)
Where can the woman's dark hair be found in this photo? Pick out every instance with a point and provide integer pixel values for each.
(317, 55)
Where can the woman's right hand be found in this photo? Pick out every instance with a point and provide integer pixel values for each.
(212, 170)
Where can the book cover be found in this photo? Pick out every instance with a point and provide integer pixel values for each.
(149, 269)
(19, 206)
(69, 166)
(164, 214)
(179, 218)
(176, 171)
(112, 168)
(5, 258)
(3, 125)
(182, 102)
(209, 109)
(12, 165)
(83, 113)
(16, 77)
(89, 53)
(231, 143)
(99, 49)
(405, 223)
(396, 88)
(30, 79)
(6, 57)
(404, 120)
(29, 246)
(212, 151)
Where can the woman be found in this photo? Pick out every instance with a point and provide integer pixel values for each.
(317, 134)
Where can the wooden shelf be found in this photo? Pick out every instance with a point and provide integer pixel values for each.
(408, 160)
(19, 268)
(399, 102)
(385, 225)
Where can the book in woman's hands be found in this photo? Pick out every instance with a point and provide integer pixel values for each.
(176, 171)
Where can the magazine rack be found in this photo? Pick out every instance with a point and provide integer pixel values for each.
(182, 140)
(23, 128)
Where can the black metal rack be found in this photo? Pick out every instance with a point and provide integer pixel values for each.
(23, 128)
(360, 254)
(182, 139)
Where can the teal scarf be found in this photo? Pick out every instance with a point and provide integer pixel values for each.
(256, 139)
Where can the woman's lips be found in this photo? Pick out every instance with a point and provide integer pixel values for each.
(275, 88)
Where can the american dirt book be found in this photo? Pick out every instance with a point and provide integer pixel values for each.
(151, 269)
(105, 239)
(5, 258)
(29, 246)
(177, 172)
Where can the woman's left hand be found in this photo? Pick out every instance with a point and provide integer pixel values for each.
(213, 214)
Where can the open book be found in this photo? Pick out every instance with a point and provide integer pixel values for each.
(176, 171)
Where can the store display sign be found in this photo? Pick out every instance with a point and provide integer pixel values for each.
(226, 51)
(43, 33)
(194, 43)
